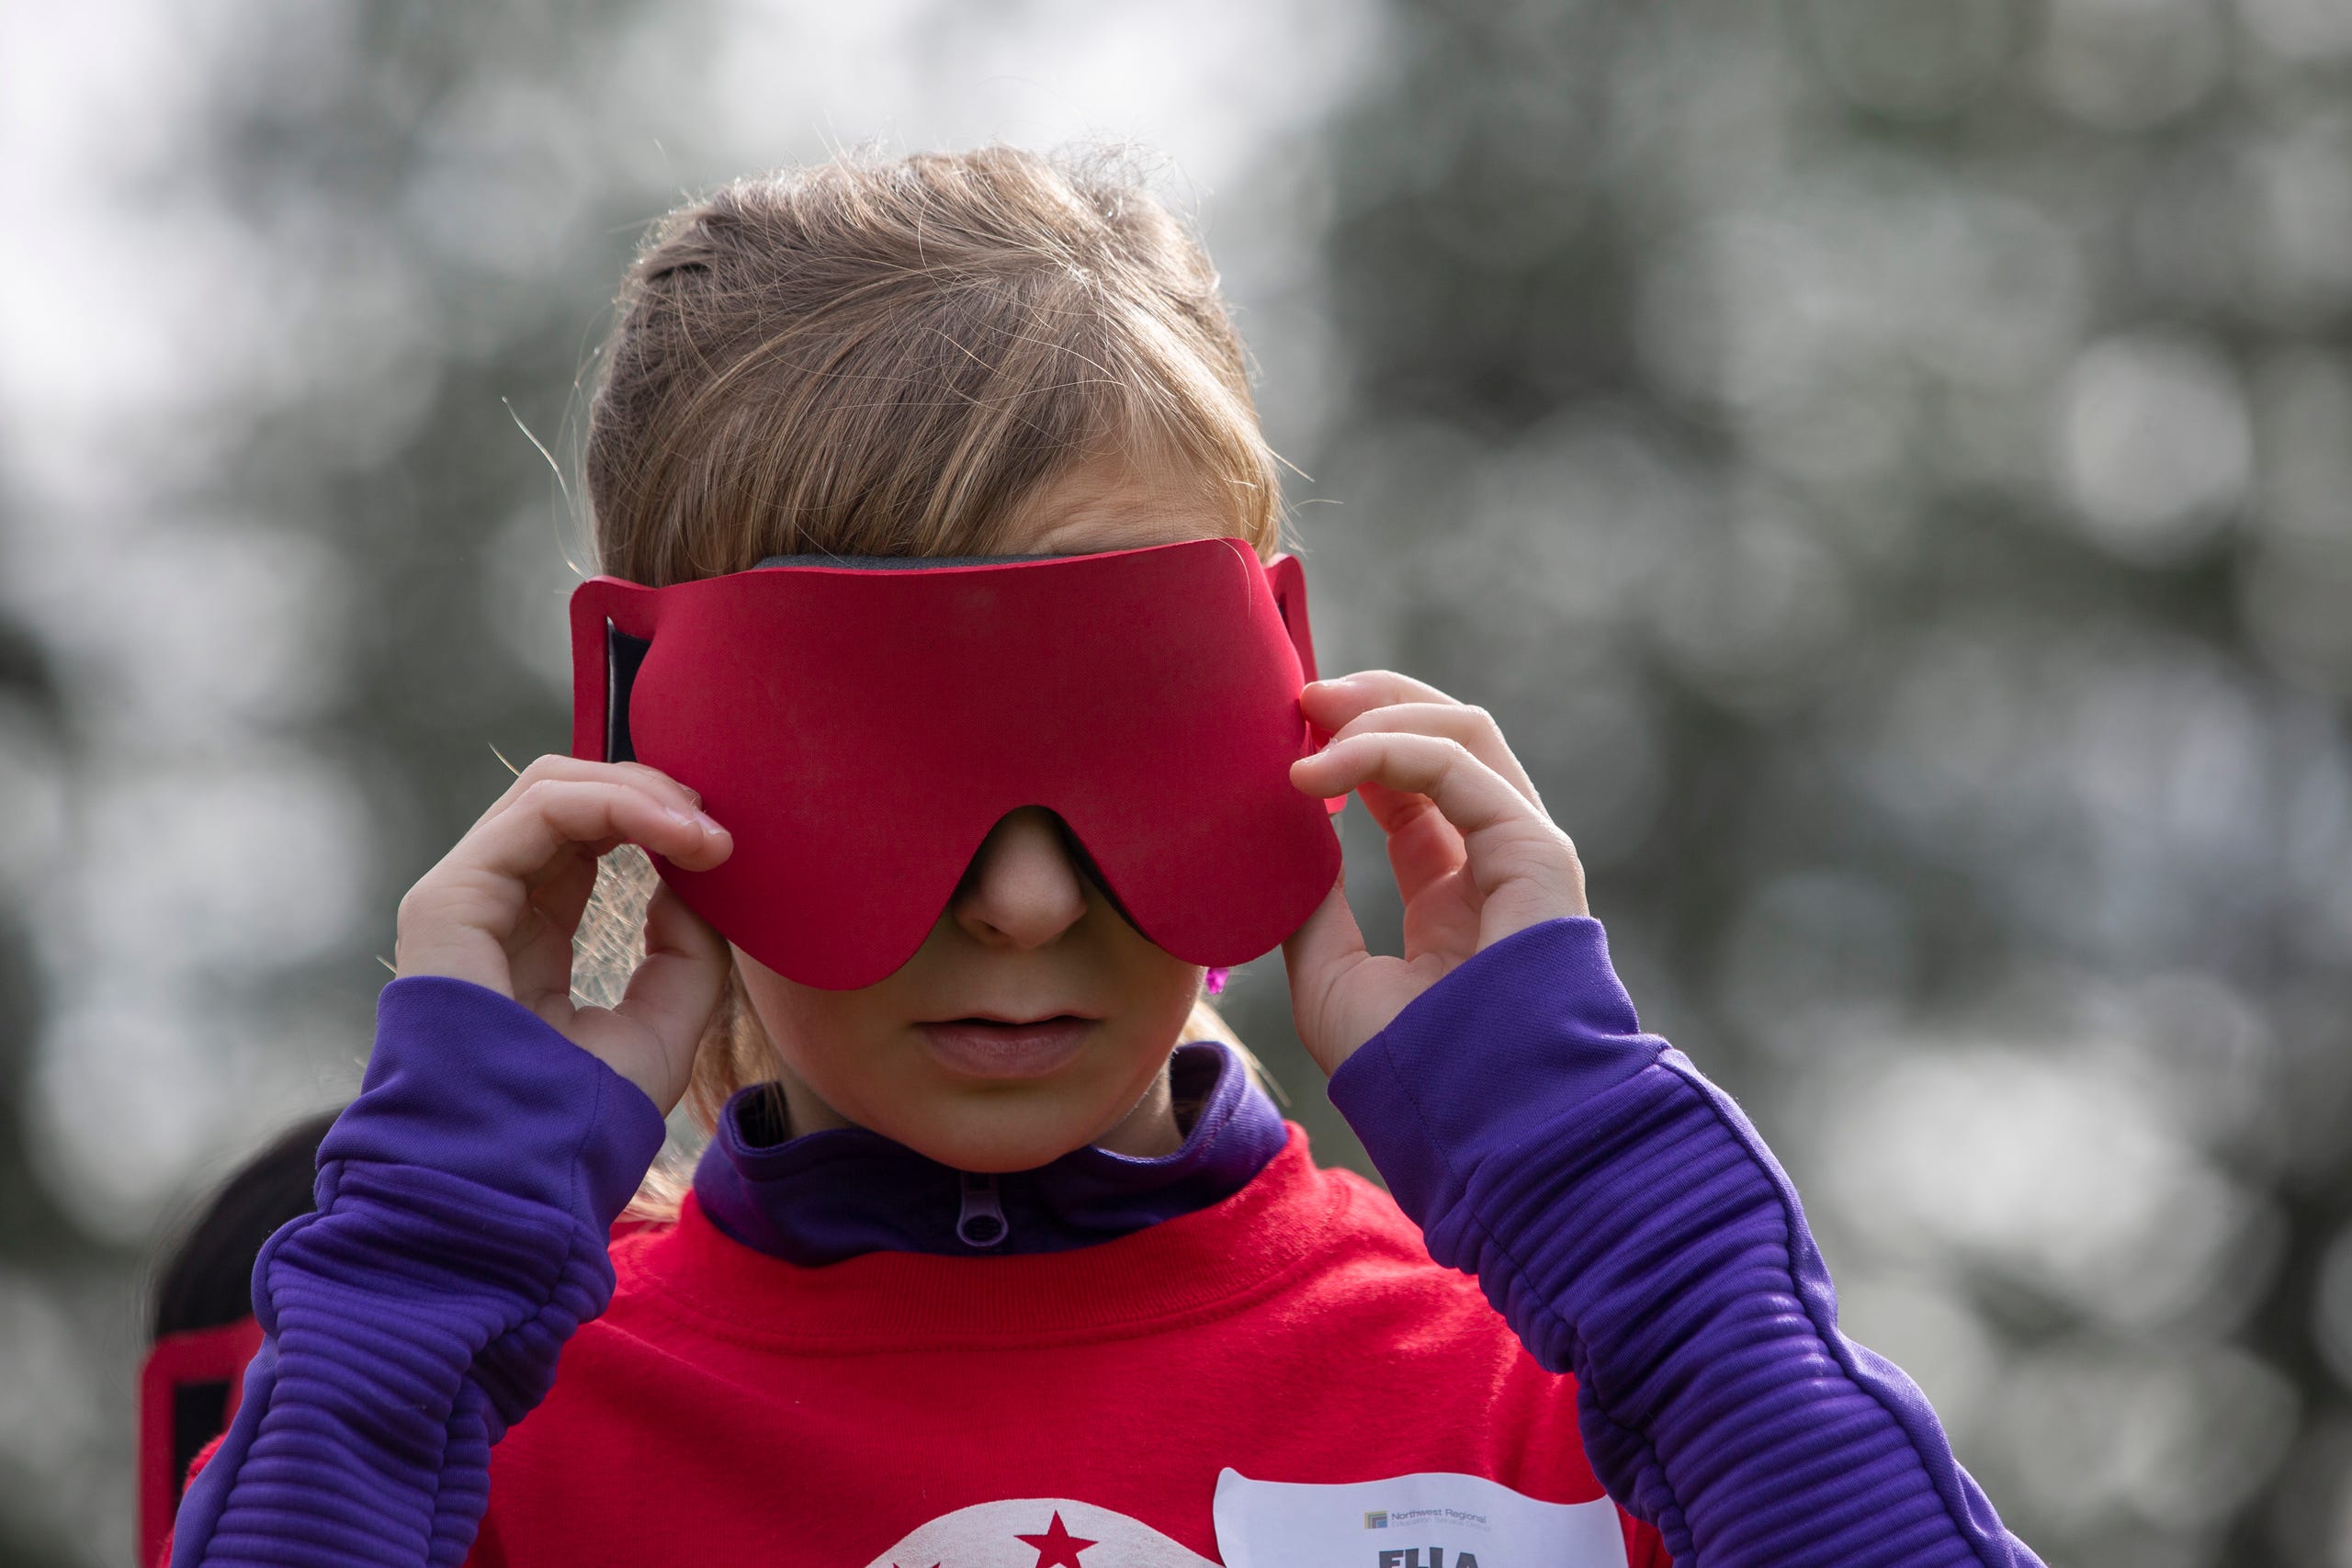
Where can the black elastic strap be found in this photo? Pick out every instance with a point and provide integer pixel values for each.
(199, 1414)
(897, 563)
(623, 655)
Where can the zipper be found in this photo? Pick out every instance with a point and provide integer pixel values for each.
(981, 1224)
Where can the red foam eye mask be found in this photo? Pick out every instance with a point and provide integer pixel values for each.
(859, 731)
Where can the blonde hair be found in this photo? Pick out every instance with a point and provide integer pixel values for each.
(887, 356)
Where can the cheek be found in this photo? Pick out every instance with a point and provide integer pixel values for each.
(1171, 990)
(1157, 979)
(822, 1037)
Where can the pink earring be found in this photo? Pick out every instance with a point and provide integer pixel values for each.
(1214, 982)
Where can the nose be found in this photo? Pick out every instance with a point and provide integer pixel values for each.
(1022, 889)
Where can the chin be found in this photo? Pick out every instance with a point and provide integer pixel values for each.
(998, 1135)
(988, 1152)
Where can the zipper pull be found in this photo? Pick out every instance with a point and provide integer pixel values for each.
(981, 1224)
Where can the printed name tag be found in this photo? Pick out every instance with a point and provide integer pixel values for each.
(1410, 1521)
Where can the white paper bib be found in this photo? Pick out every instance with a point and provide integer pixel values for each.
(1410, 1521)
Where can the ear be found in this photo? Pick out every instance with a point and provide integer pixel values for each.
(1288, 580)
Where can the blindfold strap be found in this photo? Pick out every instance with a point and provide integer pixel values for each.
(625, 654)
(898, 563)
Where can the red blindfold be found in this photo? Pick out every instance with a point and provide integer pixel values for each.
(859, 725)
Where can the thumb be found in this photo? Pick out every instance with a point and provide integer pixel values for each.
(1319, 955)
(671, 995)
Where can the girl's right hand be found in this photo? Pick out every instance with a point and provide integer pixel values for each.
(500, 910)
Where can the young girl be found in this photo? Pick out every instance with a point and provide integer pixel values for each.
(981, 1265)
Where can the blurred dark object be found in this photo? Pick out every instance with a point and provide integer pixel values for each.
(207, 1276)
(203, 1330)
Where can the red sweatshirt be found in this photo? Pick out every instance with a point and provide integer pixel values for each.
(1278, 1376)
(732, 1407)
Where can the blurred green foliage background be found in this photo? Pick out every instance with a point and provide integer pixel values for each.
(1887, 463)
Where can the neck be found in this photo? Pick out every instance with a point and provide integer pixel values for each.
(839, 1192)
(1151, 1130)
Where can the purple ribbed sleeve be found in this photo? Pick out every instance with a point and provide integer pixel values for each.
(464, 1202)
(1632, 1227)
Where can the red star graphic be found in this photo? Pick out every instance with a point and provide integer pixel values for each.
(1056, 1548)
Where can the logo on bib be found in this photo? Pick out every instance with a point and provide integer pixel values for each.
(1037, 1532)
(1431, 1522)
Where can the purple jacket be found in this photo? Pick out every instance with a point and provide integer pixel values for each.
(1615, 1206)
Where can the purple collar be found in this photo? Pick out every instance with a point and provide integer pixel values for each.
(823, 1197)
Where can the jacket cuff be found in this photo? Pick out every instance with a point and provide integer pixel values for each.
(474, 1085)
(1483, 1065)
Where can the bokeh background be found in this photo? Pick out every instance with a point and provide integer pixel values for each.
(1888, 464)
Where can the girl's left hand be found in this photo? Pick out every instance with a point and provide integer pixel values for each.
(1475, 856)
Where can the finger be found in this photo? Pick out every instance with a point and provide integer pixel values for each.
(473, 914)
(1392, 809)
(539, 946)
(1318, 956)
(1334, 702)
(568, 863)
(554, 814)
(1471, 795)
(555, 765)
(1327, 943)
(1422, 845)
(1473, 728)
(674, 990)
(1503, 833)
(562, 889)
(540, 960)
(1341, 993)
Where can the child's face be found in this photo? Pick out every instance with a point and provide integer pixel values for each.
(1027, 935)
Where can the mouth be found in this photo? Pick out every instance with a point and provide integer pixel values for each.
(992, 1048)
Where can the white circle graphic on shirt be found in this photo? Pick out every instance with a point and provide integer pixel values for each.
(1037, 1532)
